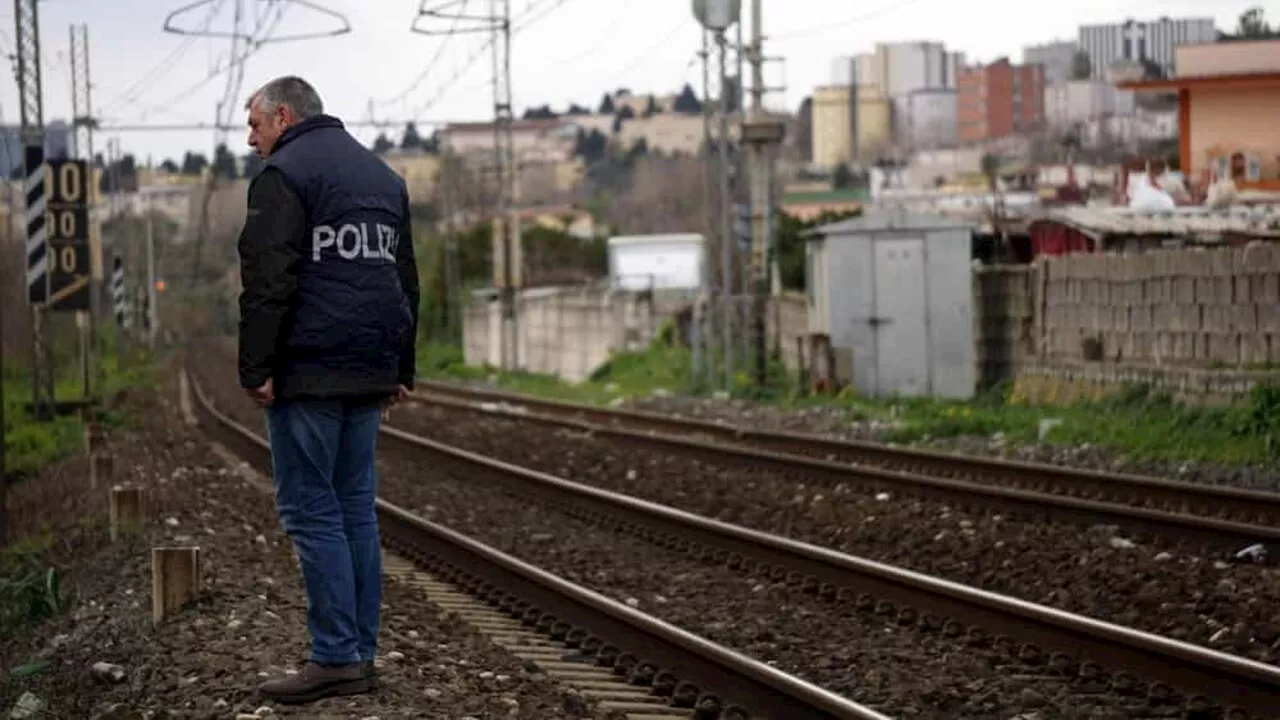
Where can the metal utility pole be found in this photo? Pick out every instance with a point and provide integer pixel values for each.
(153, 308)
(452, 281)
(717, 16)
(698, 334)
(83, 123)
(31, 108)
(761, 132)
(726, 220)
(504, 151)
(507, 255)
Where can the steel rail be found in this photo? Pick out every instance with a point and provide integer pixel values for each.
(1204, 513)
(1230, 679)
(693, 670)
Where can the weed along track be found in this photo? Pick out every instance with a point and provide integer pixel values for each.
(609, 648)
(905, 644)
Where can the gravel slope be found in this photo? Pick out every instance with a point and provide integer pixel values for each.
(207, 661)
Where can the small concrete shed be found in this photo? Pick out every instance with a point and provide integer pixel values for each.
(892, 290)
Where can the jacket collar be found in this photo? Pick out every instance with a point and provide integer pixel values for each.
(304, 127)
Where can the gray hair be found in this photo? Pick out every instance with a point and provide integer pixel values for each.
(291, 91)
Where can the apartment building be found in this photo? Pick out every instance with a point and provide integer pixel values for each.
(925, 119)
(1135, 41)
(998, 100)
(833, 119)
(905, 67)
(1058, 59)
(1080, 101)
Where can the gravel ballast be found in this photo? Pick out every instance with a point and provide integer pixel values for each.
(207, 661)
(905, 670)
(1156, 585)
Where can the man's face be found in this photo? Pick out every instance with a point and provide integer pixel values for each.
(266, 128)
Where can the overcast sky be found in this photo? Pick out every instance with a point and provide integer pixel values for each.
(564, 51)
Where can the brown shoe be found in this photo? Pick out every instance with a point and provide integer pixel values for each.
(315, 681)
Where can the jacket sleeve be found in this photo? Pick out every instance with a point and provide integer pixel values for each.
(270, 248)
(407, 266)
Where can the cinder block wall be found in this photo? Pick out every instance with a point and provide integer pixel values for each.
(1202, 323)
(1184, 308)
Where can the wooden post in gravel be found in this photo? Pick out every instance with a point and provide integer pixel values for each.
(127, 509)
(102, 467)
(175, 579)
(94, 438)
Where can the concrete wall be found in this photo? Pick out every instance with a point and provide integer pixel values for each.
(562, 331)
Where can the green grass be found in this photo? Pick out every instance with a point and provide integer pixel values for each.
(30, 445)
(1138, 421)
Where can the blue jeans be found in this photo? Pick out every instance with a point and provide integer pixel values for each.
(322, 454)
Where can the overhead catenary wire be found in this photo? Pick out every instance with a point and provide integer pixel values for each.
(148, 80)
(520, 24)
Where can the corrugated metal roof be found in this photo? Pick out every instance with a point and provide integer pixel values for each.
(1261, 220)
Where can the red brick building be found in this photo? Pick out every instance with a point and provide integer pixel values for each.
(998, 100)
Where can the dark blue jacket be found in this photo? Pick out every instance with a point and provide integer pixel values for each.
(330, 301)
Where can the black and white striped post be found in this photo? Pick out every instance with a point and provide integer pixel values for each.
(118, 300)
(37, 234)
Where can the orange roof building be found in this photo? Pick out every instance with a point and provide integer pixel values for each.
(1228, 105)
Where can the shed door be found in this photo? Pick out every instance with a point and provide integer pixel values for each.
(902, 346)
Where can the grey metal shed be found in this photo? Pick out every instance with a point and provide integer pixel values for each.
(893, 291)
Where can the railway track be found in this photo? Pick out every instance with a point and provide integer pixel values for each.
(1229, 517)
(610, 649)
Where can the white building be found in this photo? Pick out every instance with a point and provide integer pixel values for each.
(1138, 40)
(1078, 101)
(844, 71)
(925, 119)
(904, 67)
(1058, 59)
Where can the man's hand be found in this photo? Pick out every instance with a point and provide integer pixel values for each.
(400, 395)
(263, 396)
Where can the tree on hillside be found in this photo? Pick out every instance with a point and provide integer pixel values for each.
(606, 105)
(687, 101)
(651, 107)
(194, 163)
(540, 113)
(1081, 66)
(591, 146)
(576, 109)
(1253, 25)
(224, 163)
(169, 166)
(410, 140)
(120, 176)
(804, 129)
(1151, 69)
(382, 143)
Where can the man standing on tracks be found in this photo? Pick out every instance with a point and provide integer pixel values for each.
(328, 319)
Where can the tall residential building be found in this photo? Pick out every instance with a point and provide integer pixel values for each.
(833, 117)
(925, 119)
(999, 100)
(1058, 59)
(1080, 101)
(904, 67)
(1136, 41)
(844, 71)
